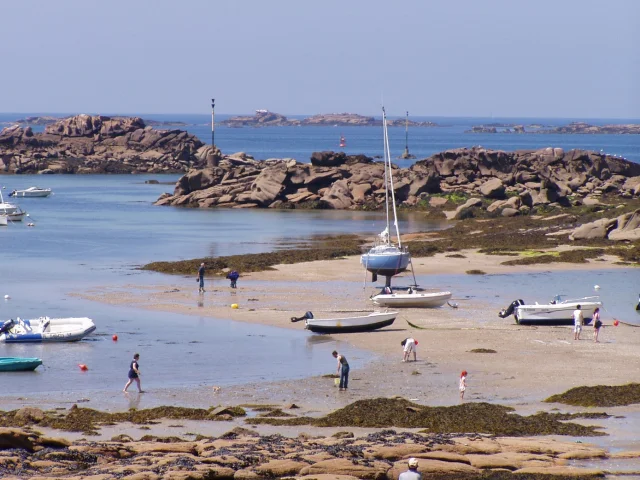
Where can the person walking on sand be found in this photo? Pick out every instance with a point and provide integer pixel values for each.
(463, 384)
(343, 370)
(233, 278)
(412, 473)
(409, 345)
(134, 373)
(200, 278)
(597, 324)
(578, 320)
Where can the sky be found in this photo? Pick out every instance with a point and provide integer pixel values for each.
(506, 58)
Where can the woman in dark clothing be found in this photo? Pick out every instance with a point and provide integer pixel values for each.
(134, 373)
(343, 370)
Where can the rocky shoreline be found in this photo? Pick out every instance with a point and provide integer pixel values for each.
(508, 183)
(264, 118)
(578, 128)
(99, 144)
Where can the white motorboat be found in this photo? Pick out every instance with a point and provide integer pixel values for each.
(415, 299)
(45, 329)
(12, 211)
(557, 312)
(386, 257)
(365, 323)
(3, 220)
(31, 192)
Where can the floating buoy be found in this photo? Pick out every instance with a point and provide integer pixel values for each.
(234, 305)
(83, 367)
(31, 224)
(7, 297)
(114, 338)
(416, 342)
(616, 323)
(596, 287)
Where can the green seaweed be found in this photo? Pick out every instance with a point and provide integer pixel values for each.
(599, 396)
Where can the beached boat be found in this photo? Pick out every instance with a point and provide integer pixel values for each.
(385, 257)
(366, 323)
(31, 192)
(557, 312)
(19, 364)
(11, 211)
(412, 300)
(45, 329)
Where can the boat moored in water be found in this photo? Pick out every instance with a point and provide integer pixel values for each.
(11, 211)
(557, 312)
(19, 364)
(45, 329)
(31, 192)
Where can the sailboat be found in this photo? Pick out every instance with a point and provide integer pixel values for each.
(385, 257)
(11, 211)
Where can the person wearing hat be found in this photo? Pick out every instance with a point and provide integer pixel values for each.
(412, 473)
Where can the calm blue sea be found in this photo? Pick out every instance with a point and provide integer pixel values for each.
(301, 142)
(96, 229)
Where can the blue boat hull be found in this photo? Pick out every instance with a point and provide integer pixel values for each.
(385, 264)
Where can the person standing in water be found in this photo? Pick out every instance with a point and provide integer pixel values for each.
(134, 373)
(201, 271)
(463, 384)
(343, 370)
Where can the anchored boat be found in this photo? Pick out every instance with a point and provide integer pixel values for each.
(415, 299)
(19, 364)
(31, 192)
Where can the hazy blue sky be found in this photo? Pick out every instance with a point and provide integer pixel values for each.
(543, 58)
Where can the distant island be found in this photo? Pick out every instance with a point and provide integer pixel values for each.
(265, 118)
(48, 120)
(581, 128)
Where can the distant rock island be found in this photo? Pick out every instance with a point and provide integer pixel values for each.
(100, 144)
(572, 128)
(509, 183)
(47, 120)
(264, 118)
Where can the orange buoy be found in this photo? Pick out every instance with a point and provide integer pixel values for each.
(616, 323)
(83, 367)
(114, 338)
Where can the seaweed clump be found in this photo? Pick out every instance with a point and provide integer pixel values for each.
(599, 396)
(469, 417)
(483, 350)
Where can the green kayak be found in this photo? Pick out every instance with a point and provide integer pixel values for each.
(18, 364)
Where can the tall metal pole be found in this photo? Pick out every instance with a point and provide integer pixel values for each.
(213, 124)
(406, 153)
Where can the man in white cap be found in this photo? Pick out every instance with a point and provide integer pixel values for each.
(412, 473)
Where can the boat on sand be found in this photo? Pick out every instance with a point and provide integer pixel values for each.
(415, 299)
(45, 329)
(19, 364)
(364, 323)
(557, 312)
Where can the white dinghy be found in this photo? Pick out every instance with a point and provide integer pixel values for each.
(416, 299)
(365, 323)
(45, 329)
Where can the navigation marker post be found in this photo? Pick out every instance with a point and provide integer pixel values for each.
(213, 125)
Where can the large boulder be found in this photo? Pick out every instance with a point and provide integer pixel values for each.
(338, 196)
(493, 188)
(328, 159)
(269, 184)
(598, 229)
(627, 228)
(466, 209)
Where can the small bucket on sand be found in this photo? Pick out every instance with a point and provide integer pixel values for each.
(336, 381)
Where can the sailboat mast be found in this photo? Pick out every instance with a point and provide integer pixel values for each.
(384, 154)
(393, 195)
(406, 133)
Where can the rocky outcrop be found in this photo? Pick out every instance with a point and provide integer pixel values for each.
(624, 227)
(98, 144)
(47, 120)
(585, 128)
(519, 180)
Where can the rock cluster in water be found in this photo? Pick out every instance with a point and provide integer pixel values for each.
(512, 182)
(264, 118)
(98, 144)
(571, 128)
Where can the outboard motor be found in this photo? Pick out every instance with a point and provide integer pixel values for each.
(638, 305)
(6, 326)
(505, 312)
(306, 316)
